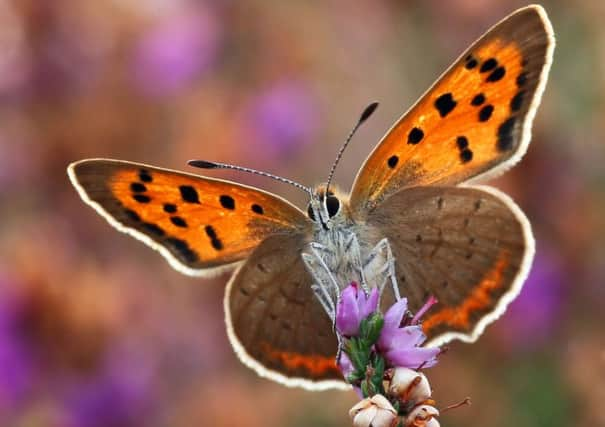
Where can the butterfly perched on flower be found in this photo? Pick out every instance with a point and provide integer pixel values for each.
(469, 246)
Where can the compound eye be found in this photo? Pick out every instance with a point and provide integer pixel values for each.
(311, 213)
(332, 205)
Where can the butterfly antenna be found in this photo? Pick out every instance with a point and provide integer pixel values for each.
(204, 164)
(367, 112)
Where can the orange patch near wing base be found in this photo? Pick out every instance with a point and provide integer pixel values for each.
(315, 365)
(480, 299)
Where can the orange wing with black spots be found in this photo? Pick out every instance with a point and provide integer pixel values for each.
(199, 224)
(476, 119)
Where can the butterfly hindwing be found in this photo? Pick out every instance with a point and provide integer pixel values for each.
(470, 247)
(274, 322)
(474, 121)
(199, 224)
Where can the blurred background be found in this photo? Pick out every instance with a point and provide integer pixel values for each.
(97, 330)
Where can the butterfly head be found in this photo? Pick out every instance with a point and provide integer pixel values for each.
(326, 207)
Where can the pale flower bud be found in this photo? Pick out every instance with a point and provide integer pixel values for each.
(422, 416)
(375, 411)
(402, 385)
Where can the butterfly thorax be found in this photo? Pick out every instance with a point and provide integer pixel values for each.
(346, 253)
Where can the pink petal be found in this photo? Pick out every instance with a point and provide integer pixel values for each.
(410, 336)
(413, 357)
(392, 321)
(394, 315)
(369, 304)
(347, 311)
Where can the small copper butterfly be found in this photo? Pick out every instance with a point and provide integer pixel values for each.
(469, 246)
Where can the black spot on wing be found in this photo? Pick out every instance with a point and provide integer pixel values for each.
(496, 75)
(227, 202)
(210, 231)
(145, 176)
(392, 161)
(137, 187)
(466, 155)
(517, 102)
(189, 194)
(485, 113)
(141, 198)
(445, 104)
(462, 142)
(478, 100)
(471, 62)
(415, 136)
(488, 65)
(522, 79)
(178, 221)
(182, 248)
(214, 240)
(505, 134)
(217, 244)
(257, 209)
(169, 208)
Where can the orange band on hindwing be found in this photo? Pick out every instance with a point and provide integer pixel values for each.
(316, 366)
(480, 298)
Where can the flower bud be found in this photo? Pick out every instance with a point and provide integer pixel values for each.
(370, 328)
(409, 385)
(375, 411)
(422, 416)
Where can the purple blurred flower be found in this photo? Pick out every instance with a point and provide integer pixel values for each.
(15, 368)
(354, 306)
(174, 53)
(120, 394)
(283, 117)
(15, 61)
(66, 57)
(400, 344)
(16, 361)
(536, 312)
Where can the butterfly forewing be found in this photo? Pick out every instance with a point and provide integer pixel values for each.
(275, 323)
(471, 248)
(475, 119)
(198, 223)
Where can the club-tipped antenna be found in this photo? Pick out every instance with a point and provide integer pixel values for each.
(204, 164)
(367, 112)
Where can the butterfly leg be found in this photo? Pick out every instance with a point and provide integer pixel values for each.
(325, 288)
(353, 250)
(325, 256)
(325, 284)
(380, 264)
(391, 271)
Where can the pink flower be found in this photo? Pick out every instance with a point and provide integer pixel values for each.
(354, 306)
(400, 344)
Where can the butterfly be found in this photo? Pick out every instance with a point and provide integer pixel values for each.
(468, 245)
